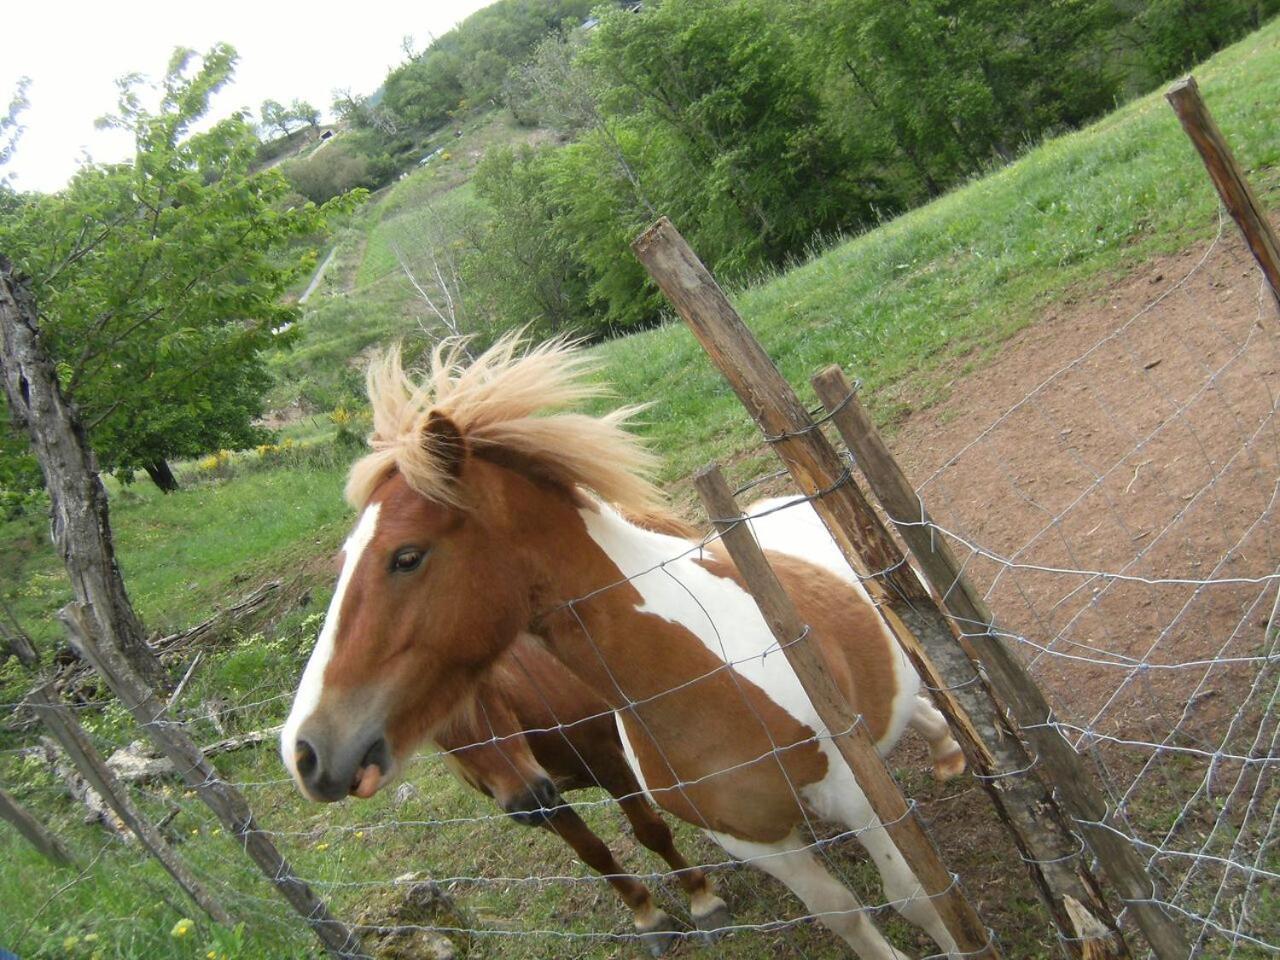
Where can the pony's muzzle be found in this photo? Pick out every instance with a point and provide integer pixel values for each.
(329, 772)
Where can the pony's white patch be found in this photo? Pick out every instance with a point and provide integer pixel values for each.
(796, 529)
(723, 616)
(312, 684)
(629, 752)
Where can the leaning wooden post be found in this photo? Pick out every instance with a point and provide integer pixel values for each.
(33, 831)
(94, 769)
(1055, 757)
(1228, 178)
(219, 795)
(768, 398)
(845, 727)
(1046, 841)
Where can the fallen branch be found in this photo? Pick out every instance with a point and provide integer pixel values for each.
(96, 808)
(237, 611)
(74, 674)
(137, 762)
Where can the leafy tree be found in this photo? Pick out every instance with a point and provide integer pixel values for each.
(161, 280)
(11, 126)
(469, 64)
(523, 269)
(275, 116)
(1178, 33)
(304, 112)
(350, 107)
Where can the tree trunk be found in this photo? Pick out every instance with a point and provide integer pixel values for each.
(77, 499)
(161, 475)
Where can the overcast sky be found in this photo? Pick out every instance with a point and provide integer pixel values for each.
(74, 50)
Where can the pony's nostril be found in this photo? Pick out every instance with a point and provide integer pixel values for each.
(304, 757)
(378, 754)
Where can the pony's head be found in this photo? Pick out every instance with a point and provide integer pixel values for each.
(436, 578)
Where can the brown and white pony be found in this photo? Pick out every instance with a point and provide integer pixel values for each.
(488, 513)
(533, 730)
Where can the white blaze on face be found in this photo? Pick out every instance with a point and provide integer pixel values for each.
(312, 685)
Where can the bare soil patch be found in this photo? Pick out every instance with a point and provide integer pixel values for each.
(1128, 437)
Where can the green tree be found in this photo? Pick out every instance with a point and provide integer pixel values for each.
(304, 112)
(523, 269)
(161, 280)
(275, 116)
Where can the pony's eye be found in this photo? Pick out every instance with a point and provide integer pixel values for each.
(409, 558)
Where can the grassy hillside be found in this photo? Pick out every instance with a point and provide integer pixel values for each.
(907, 308)
(365, 297)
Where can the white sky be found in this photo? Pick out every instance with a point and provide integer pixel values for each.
(74, 50)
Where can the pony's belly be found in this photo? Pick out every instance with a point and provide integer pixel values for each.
(759, 798)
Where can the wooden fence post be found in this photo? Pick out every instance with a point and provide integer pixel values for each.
(33, 831)
(769, 400)
(219, 795)
(94, 769)
(1228, 178)
(846, 728)
(1047, 843)
(1055, 757)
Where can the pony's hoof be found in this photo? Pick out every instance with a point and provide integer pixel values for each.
(660, 935)
(712, 923)
(949, 767)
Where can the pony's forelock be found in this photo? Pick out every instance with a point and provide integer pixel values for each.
(512, 402)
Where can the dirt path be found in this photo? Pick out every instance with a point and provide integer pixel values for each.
(318, 275)
(1128, 434)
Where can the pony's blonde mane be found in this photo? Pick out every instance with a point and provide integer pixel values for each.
(510, 405)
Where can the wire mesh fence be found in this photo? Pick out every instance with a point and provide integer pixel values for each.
(1119, 517)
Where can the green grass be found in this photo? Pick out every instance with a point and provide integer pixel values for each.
(904, 308)
(183, 553)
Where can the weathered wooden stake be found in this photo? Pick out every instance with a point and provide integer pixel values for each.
(219, 795)
(1046, 841)
(1056, 760)
(94, 769)
(846, 728)
(1228, 178)
(33, 831)
(768, 398)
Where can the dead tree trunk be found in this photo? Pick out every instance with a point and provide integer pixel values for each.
(78, 502)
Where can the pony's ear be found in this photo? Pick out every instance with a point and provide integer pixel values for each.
(444, 441)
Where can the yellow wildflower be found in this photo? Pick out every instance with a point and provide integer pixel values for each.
(69, 943)
(182, 927)
(359, 834)
(90, 937)
(322, 846)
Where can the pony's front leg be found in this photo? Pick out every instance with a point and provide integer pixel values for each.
(709, 912)
(656, 928)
